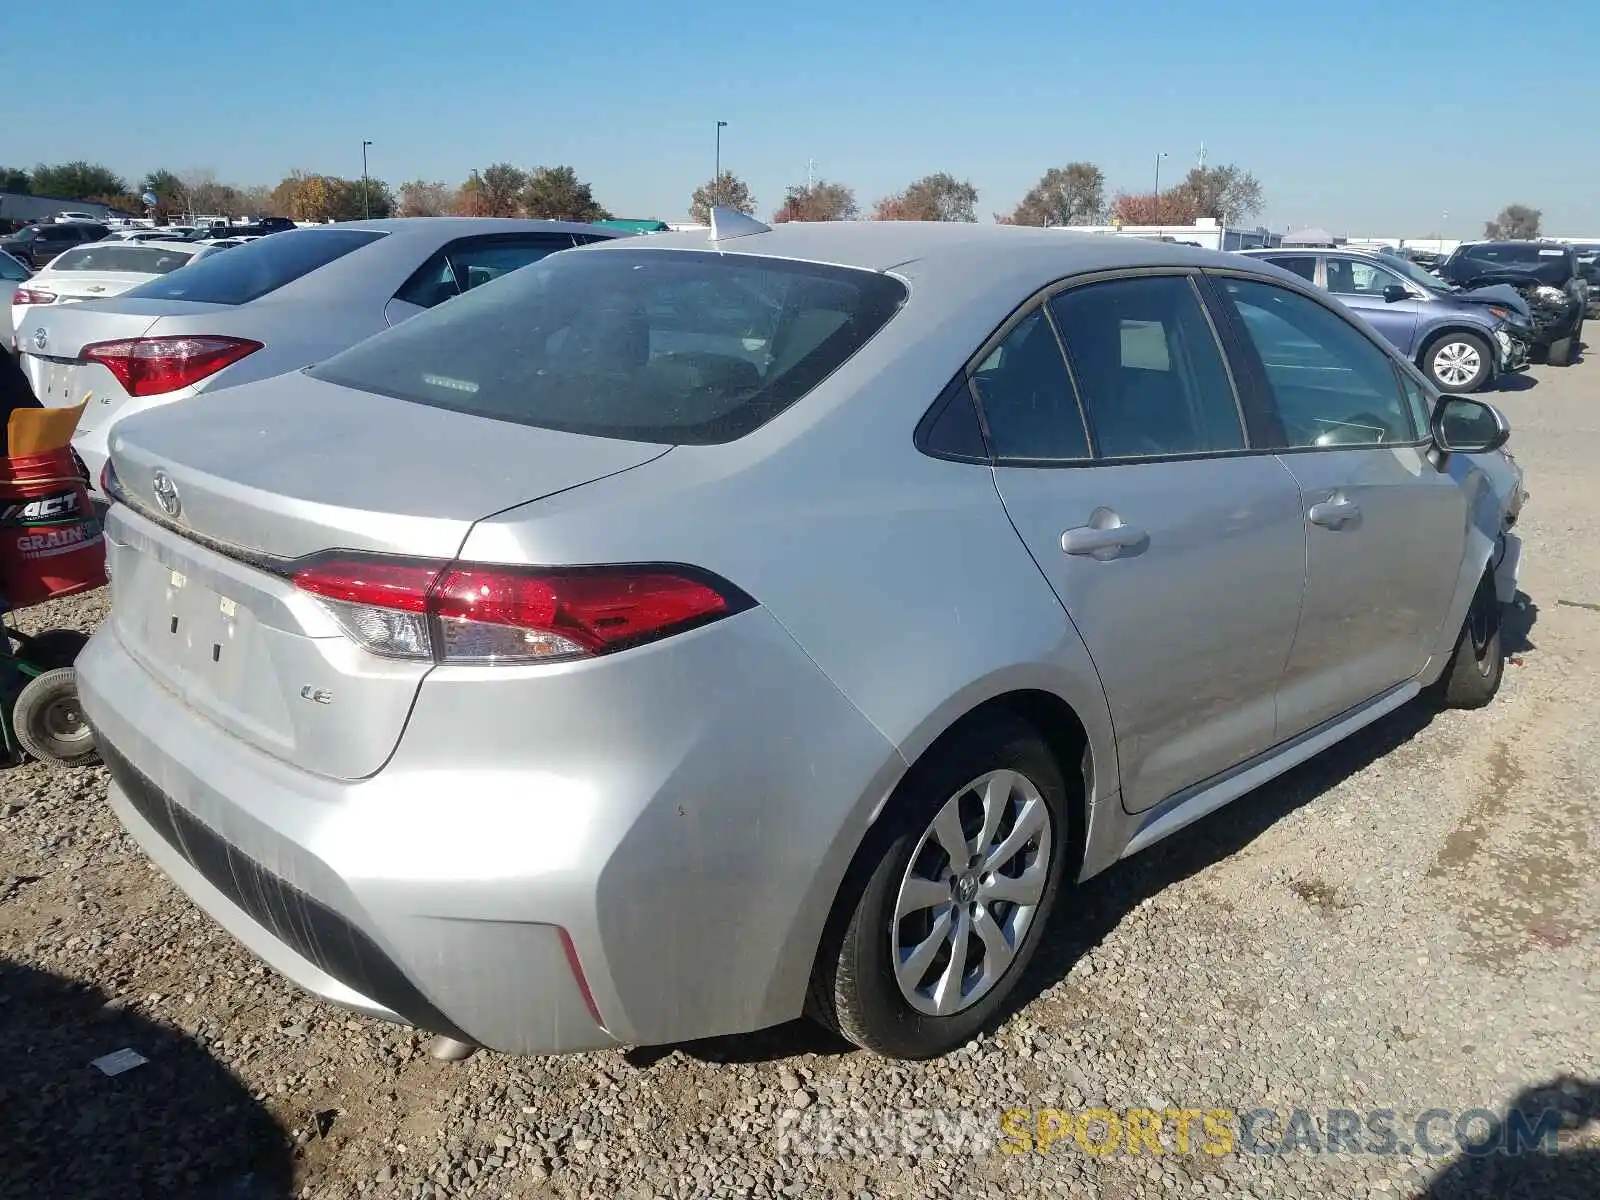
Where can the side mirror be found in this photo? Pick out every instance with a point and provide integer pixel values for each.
(1395, 292)
(1463, 425)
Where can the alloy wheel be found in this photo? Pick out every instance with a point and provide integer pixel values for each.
(1457, 364)
(970, 893)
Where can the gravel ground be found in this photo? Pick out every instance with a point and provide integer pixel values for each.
(1411, 921)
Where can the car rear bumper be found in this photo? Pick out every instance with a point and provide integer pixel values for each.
(673, 888)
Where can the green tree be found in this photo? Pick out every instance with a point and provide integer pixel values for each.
(76, 180)
(822, 201)
(940, 197)
(1071, 195)
(496, 191)
(557, 194)
(15, 179)
(1516, 222)
(725, 191)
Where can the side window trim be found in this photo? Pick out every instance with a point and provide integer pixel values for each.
(1258, 369)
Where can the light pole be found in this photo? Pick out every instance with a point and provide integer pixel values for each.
(716, 179)
(366, 199)
(1159, 157)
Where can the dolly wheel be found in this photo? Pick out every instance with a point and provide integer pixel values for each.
(49, 722)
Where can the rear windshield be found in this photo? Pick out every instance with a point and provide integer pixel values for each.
(1522, 254)
(666, 346)
(250, 271)
(122, 256)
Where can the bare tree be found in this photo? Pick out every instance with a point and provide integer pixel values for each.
(1169, 208)
(725, 191)
(822, 201)
(422, 198)
(1516, 222)
(1223, 191)
(939, 197)
(1071, 195)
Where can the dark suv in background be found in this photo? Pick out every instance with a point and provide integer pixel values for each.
(1463, 342)
(36, 245)
(1545, 274)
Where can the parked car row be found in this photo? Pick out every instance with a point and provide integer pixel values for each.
(616, 639)
(1463, 340)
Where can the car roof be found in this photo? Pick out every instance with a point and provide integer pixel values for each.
(430, 228)
(1015, 257)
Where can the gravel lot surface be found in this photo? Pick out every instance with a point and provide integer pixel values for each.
(1411, 921)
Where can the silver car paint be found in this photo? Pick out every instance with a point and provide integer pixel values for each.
(686, 810)
(301, 323)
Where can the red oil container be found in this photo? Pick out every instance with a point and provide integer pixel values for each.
(50, 539)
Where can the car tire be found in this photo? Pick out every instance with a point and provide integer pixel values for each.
(1458, 363)
(1561, 350)
(999, 780)
(49, 723)
(1478, 663)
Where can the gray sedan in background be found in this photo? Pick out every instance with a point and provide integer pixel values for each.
(265, 307)
(679, 635)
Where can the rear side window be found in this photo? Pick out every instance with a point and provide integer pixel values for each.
(250, 271)
(462, 266)
(665, 346)
(1302, 265)
(11, 269)
(1148, 368)
(121, 256)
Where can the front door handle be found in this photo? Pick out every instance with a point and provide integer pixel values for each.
(1097, 542)
(1333, 513)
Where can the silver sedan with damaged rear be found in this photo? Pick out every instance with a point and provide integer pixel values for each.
(675, 637)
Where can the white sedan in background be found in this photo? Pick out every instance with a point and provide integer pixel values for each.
(94, 272)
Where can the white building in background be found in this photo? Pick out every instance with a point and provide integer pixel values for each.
(1206, 232)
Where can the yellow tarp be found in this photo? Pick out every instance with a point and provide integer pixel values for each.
(40, 430)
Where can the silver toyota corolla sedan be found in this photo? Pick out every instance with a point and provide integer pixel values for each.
(680, 635)
(263, 308)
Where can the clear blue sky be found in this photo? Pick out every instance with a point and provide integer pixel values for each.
(1365, 117)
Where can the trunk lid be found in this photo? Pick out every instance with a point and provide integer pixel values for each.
(56, 370)
(280, 469)
(89, 285)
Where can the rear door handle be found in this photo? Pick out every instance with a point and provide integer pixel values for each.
(1097, 542)
(1333, 513)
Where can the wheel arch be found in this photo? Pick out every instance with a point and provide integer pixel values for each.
(1068, 737)
(1431, 338)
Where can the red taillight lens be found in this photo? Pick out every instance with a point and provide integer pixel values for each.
(155, 366)
(25, 295)
(481, 613)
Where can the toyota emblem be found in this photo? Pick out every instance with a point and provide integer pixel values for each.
(166, 493)
(40, 338)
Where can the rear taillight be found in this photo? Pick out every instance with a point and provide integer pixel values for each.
(154, 366)
(478, 613)
(25, 295)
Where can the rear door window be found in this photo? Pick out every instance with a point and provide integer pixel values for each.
(1027, 396)
(1148, 368)
(665, 346)
(250, 271)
